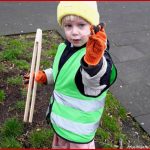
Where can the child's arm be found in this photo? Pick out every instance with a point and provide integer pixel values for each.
(42, 76)
(49, 75)
(95, 67)
(96, 78)
(45, 76)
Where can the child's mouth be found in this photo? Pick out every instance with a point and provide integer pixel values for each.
(76, 40)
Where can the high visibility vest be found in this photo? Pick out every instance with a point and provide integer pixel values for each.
(74, 116)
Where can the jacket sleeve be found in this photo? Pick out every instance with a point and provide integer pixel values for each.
(49, 75)
(96, 78)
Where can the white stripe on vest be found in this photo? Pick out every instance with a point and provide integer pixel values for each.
(83, 105)
(78, 128)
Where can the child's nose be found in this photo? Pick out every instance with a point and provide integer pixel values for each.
(75, 31)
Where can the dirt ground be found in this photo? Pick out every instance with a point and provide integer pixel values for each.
(13, 93)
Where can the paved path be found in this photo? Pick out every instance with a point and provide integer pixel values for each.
(128, 28)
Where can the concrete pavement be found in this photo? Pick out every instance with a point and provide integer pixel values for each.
(128, 29)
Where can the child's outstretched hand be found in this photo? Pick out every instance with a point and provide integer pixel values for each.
(40, 77)
(96, 45)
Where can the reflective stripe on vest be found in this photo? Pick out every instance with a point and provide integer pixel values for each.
(83, 105)
(75, 127)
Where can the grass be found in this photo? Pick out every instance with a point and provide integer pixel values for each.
(102, 134)
(2, 96)
(110, 123)
(51, 52)
(12, 127)
(21, 64)
(16, 80)
(13, 50)
(23, 91)
(20, 105)
(41, 138)
(1, 57)
(110, 126)
(2, 67)
(10, 142)
(3, 41)
(45, 64)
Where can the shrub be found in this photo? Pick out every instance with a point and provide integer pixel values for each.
(41, 138)
(10, 142)
(12, 127)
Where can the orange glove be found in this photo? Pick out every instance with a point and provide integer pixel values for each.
(40, 77)
(96, 45)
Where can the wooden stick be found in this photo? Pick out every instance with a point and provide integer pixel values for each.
(39, 39)
(35, 62)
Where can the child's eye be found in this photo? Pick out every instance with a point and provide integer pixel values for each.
(67, 25)
(81, 25)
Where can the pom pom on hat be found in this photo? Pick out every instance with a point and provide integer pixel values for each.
(86, 9)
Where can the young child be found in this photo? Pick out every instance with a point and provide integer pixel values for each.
(82, 73)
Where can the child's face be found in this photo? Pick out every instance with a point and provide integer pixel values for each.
(77, 31)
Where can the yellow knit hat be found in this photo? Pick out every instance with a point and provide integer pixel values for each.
(85, 9)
